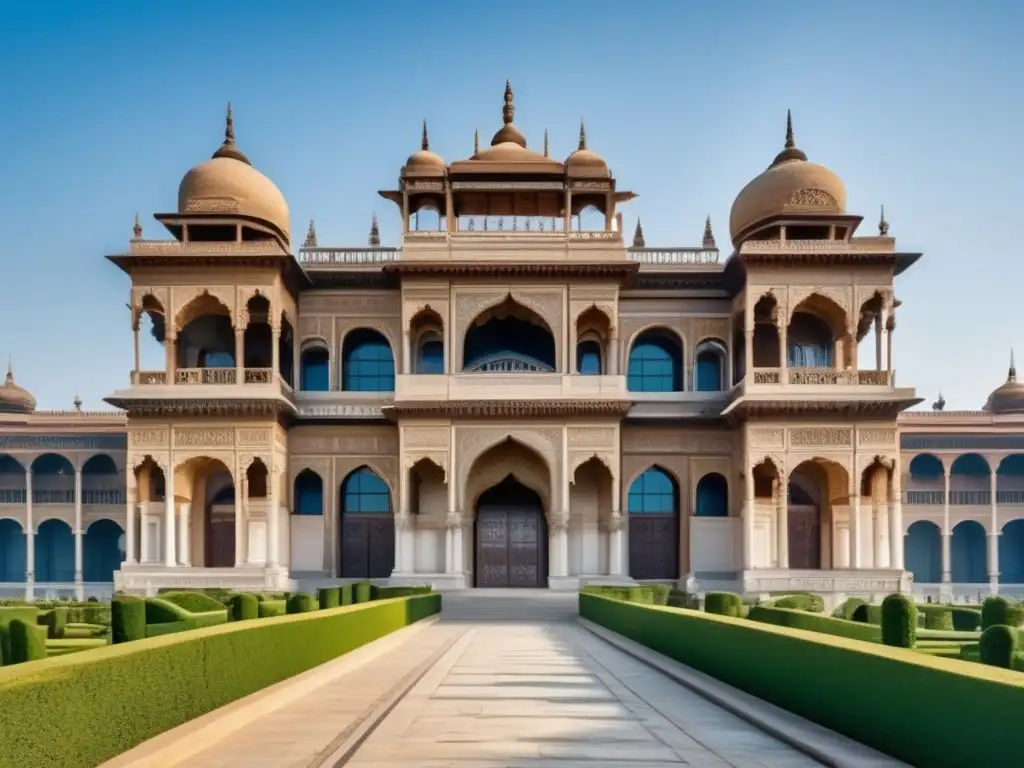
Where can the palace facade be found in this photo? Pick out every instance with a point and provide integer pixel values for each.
(516, 396)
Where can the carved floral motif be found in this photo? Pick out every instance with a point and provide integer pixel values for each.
(425, 437)
(254, 436)
(592, 437)
(148, 438)
(200, 437)
(820, 436)
(876, 437)
(767, 437)
(817, 198)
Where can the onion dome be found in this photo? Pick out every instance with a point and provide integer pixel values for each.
(1008, 397)
(585, 162)
(790, 185)
(423, 161)
(14, 399)
(508, 133)
(228, 184)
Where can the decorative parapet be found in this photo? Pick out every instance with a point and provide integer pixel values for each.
(824, 376)
(340, 412)
(315, 257)
(856, 245)
(176, 248)
(674, 256)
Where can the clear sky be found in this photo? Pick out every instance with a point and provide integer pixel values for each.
(916, 104)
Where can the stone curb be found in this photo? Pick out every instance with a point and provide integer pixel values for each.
(817, 742)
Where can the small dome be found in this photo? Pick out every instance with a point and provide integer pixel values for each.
(585, 162)
(791, 184)
(14, 399)
(227, 183)
(1009, 396)
(423, 160)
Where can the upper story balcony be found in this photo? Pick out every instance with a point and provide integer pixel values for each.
(509, 385)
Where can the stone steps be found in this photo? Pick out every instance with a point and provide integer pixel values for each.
(490, 605)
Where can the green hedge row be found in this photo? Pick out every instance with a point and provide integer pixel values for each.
(90, 612)
(802, 601)
(893, 699)
(815, 622)
(79, 710)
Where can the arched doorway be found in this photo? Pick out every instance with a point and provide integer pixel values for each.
(922, 549)
(104, 550)
(808, 502)
(510, 537)
(367, 526)
(55, 552)
(653, 504)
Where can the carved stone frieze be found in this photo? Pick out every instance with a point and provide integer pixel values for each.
(362, 304)
(840, 295)
(383, 442)
(767, 437)
(710, 328)
(579, 458)
(200, 437)
(675, 443)
(879, 437)
(211, 205)
(425, 437)
(815, 198)
(183, 298)
(155, 437)
(804, 437)
(592, 437)
(256, 436)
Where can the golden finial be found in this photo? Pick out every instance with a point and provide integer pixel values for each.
(137, 228)
(583, 135)
(374, 232)
(709, 236)
(509, 110)
(638, 236)
(476, 141)
(310, 241)
(425, 142)
(790, 152)
(228, 148)
(883, 225)
(546, 143)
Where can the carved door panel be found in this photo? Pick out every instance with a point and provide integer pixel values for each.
(381, 547)
(492, 549)
(804, 537)
(653, 547)
(355, 548)
(220, 544)
(510, 546)
(524, 548)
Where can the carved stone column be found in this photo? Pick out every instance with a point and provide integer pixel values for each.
(890, 326)
(171, 350)
(453, 543)
(241, 507)
(275, 353)
(749, 511)
(993, 537)
(131, 495)
(878, 340)
(895, 513)
(855, 529)
(782, 518)
(170, 558)
(240, 355)
(406, 351)
(613, 353)
(135, 335)
(558, 536)
(144, 532)
(184, 544)
(78, 526)
(274, 517)
(615, 544)
(782, 327)
(947, 532)
(30, 531)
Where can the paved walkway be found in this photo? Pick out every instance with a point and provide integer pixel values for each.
(506, 681)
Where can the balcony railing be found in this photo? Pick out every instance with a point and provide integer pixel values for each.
(965, 498)
(90, 496)
(205, 376)
(312, 257)
(823, 376)
(674, 256)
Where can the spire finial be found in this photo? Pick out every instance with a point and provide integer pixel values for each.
(77, 402)
(508, 112)
(790, 152)
(940, 404)
(883, 225)
(425, 142)
(10, 371)
(790, 142)
(709, 236)
(546, 143)
(583, 135)
(228, 148)
(374, 232)
(1012, 375)
(310, 241)
(137, 227)
(638, 236)
(229, 128)
(476, 141)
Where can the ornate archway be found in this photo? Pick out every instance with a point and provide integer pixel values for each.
(510, 537)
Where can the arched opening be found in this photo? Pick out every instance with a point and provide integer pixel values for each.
(55, 552)
(367, 526)
(426, 329)
(207, 486)
(509, 338)
(314, 367)
(13, 555)
(969, 480)
(923, 552)
(709, 368)
(967, 553)
(258, 342)
(12, 480)
(511, 537)
(653, 505)
(588, 357)
(655, 362)
(712, 496)
(308, 493)
(810, 340)
(426, 217)
(1011, 553)
(53, 480)
(206, 338)
(367, 362)
(1010, 480)
(590, 502)
(286, 352)
(927, 481)
(813, 488)
(101, 481)
(150, 328)
(103, 551)
(590, 218)
(593, 328)
(766, 333)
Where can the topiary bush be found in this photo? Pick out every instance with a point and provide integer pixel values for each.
(899, 621)
(678, 598)
(56, 621)
(194, 602)
(723, 604)
(849, 607)
(328, 597)
(966, 619)
(999, 610)
(660, 593)
(270, 608)
(999, 644)
(362, 592)
(345, 594)
(869, 614)
(127, 619)
(300, 602)
(937, 616)
(799, 602)
(28, 641)
(243, 606)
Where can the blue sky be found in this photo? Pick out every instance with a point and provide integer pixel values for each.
(916, 104)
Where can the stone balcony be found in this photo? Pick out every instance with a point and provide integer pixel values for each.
(212, 376)
(508, 386)
(821, 377)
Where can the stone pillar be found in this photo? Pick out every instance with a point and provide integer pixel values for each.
(171, 350)
(131, 494)
(749, 511)
(170, 558)
(406, 351)
(144, 532)
(274, 516)
(782, 515)
(890, 326)
(613, 353)
(947, 532)
(878, 340)
(275, 353)
(451, 552)
(78, 526)
(184, 557)
(241, 491)
(855, 533)
(895, 513)
(135, 334)
(879, 553)
(30, 531)
(615, 530)
(458, 548)
(239, 355)
(993, 538)
(783, 330)
(748, 351)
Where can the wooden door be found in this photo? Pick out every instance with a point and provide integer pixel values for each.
(653, 547)
(510, 548)
(220, 544)
(804, 537)
(367, 546)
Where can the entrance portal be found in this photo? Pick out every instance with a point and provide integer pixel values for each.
(511, 537)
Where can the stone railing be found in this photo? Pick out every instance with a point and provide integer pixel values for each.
(259, 375)
(175, 248)
(857, 245)
(204, 376)
(316, 257)
(823, 376)
(767, 375)
(673, 256)
(150, 378)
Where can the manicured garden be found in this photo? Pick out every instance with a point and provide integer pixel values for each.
(173, 658)
(890, 676)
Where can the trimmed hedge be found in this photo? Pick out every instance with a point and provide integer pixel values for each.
(8, 613)
(28, 641)
(243, 606)
(723, 604)
(999, 645)
(893, 699)
(999, 610)
(814, 622)
(127, 619)
(869, 614)
(270, 608)
(55, 620)
(966, 619)
(799, 602)
(194, 602)
(849, 608)
(383, 593)
(937, 616)
(91, 612)
(328, 597)
(80, 710)
(345, 594)
(899, 621)
(300, 602)
(362, 592)
(164, 617)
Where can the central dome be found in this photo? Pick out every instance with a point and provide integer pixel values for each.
(227, 183)
(791, 184)
(15, 399)
(1009, 396)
